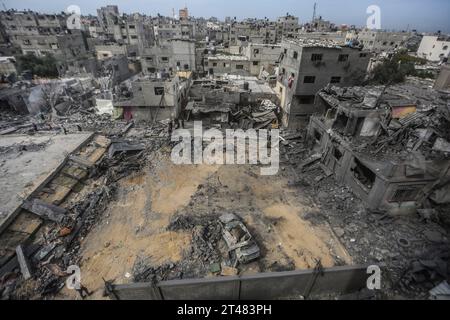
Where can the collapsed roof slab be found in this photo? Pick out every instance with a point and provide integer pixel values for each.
(28, 162)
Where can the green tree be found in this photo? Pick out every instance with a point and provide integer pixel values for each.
(387, 73)
(395, 70)
(44, 66)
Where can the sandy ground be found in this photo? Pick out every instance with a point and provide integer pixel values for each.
(135, 223)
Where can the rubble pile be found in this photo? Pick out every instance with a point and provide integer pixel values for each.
(262, 116)
(56, 245)
(204, 252)
(413, 247)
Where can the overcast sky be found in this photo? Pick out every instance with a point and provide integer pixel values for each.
(423, 15)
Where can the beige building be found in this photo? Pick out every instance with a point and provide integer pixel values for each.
(308, 66)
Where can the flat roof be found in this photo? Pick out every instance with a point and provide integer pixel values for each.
(315, 43)
(22, 172)
(228, 57)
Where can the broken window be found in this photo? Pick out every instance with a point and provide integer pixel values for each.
(335, 80)
(306, 99)
(214, 64)
(317, 135)
(309, 79)
(343, 57)
(363, 174)
(178, 63)
(164, 59)
(159, 91)
(151, 70)
(406, 193)
(316, 57)
(256, 51)
(337, 153)
(295, 56)
(239, 67)
(186, 67)
(340, 123)
(255, 63)
(363, 55)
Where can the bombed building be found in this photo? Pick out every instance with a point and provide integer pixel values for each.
(390, 145)
(153, 157)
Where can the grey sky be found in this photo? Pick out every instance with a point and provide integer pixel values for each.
(429, 16)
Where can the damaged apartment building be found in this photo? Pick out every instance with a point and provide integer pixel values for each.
(389, 145)
(151, 98)
(172, 56)
(306, 66)
(232, 101)
(39, 34)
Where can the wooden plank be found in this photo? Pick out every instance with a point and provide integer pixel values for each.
(10, 239)
(102, 141)
(65, 181)
(26, 222)
(81, 161)
(75, 172)
(23, 263)
(13, 263)
(59, 195)
(96, 155)
(45, 210)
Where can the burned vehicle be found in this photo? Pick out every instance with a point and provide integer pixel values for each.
(241, 246)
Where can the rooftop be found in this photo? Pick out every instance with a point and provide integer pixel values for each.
(228, 57)
(315, 43)
(28, 161)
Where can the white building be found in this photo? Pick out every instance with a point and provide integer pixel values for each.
(380, 41)
(434, 48)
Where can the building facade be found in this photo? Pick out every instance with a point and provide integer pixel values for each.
(434, 48)
(306, 67)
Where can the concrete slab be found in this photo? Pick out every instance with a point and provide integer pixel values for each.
(27, 162)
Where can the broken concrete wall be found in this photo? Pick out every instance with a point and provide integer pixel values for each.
(383, 185)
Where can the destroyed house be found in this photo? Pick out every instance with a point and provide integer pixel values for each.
(232, 100)
(391, 151)
(152, 99)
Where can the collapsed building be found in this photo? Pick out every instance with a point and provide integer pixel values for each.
(232, 101)
(390, 145)
(152, 99)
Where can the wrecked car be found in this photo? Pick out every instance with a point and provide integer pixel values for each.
(241, 246)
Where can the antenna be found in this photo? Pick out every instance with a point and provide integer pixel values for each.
(314, 12)
(4, 7)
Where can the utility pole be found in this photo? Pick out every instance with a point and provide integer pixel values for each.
(314, 12)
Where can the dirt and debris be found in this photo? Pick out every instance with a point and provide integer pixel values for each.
(123, 212)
